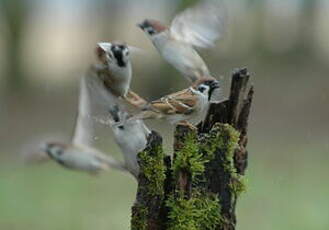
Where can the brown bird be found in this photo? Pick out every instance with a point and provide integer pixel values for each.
(188, 106)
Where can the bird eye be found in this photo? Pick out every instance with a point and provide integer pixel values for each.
(59, 151)
(151, 31)
(126, 52)
(201, 89)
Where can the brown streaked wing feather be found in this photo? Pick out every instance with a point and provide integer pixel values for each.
(136, 100)
(181, 102)
(162, 107)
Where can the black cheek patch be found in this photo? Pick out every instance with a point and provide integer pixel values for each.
(119, 57)
(201, 89)
(118, 54)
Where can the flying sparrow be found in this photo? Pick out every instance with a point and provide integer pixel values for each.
(79, 154)
(115, 71)
(188, 106)
(131, 136)
(199, 26)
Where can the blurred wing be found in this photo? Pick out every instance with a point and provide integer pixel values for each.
(136, 50)
(109, 161)
(201, 25)
(106, 46)
(181, 102)
(98, 83)
(83, 133)
(103, 101)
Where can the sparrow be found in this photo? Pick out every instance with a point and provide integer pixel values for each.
(117, 71)
(114, 71)
(188, 106)
(199, 26)
(79, 154)
(130, 135)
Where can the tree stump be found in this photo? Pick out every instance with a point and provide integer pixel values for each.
(198, 188)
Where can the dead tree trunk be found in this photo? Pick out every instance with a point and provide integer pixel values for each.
(199, 187)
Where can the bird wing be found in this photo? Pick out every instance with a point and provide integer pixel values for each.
(106, 47)
(201, 25)
(83, 133)
(181, 102)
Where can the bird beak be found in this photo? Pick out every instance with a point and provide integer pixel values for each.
(140, 25)
(214, 85)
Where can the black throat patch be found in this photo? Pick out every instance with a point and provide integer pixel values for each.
(118, 54)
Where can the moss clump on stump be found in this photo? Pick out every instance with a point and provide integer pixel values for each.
(200, 212)
(139, 218)
(153, 169)
(221, 136)
(146, 212)
(238, 185)
(225, 138)
(189, 158)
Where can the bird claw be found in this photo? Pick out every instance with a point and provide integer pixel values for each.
(135, 100)
(187, 124)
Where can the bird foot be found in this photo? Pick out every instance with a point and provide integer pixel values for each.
(135, 100)
(188, 124)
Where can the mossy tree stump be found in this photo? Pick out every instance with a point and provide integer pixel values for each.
(199, 187)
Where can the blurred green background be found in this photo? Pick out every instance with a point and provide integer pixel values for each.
(47, 45)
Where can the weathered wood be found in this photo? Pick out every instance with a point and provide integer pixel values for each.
(241, 154)
(239, 83)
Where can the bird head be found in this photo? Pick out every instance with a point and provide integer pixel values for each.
(152, 27)
(116, 52)
(206, 86)
(54, 150)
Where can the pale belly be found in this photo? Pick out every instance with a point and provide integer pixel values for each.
(185, 59)
(81, 160)
(195, 118)
(122, 78)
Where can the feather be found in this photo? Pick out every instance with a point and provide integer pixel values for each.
(201, 25)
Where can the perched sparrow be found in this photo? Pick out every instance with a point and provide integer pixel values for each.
(195, 27)
(79, 155)
(188, 106)
(131, 136)
(115, 72)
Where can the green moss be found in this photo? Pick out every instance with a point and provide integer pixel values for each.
(189, 157)
(225, 138)
(221, 136)
(139, 218)
(238, 185)
(201, 212)
(153, 168)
